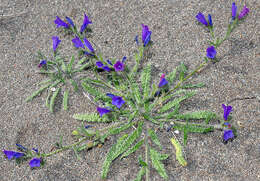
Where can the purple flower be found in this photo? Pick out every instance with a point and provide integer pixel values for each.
(119, 66)
(211, 52)
(210, 20)
(106, 68)
(12, 154)
(102, 111)
(163, 81)
(227, 110)
(146, 34)
(99, 64)
(70, 21)
(35, 162)
(35, 149)
(77, 42)
(60, 23)
(234, 11)
(201, 18)
(118, 101)
(88, 45)
(124, 59)
(85, 23)
(42, 63)
(110, 95)
(228, 134)
(21, 147)
(55, 42)
(109, 62)
(243, 13)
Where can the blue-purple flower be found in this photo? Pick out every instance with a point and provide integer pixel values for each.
(85, 23)
(70, 21)
(13, 154)
(210, 20)
(116, 100)
(106, 68)
(119, 66)
(35, 162)
(99, 64)
(163, 81)
(42, 63)
(211, 52)
(243, 13)
(228, 135)
(234, 11)
(109, 62)
(124, 59)
(103, 111)
(146, 34)
(136, 40)
(77, 42)
(55, 42)
(21, 147)
(60, 23)
(88, 45)
(201, 18)
(227, 110)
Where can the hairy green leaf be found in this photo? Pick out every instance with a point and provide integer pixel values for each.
(175, 102)
(69, 67)
(154, 138)
(178, 92)
(133, 149)
(136, 92)
(156, 157)
(93, 91)
(74, 84)
(53, 97)
(145, 80)
(34, 94)
(65, 100)
(183, 69)
(90, 117)
(140, 174)
(171, 77)
(207, 115)
(110, 156)
(193, 128)
(178, 149)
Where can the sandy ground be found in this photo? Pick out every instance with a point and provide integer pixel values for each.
(177, 37)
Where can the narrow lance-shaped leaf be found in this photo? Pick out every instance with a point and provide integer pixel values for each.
(145, 80)
(193, 128)
(34, 94)
(90, 117)
(69, 67)
(188, 86)
(65, 100)
(140, 174)
(110, 156)
(183, 70)
(136, 92)
(171, 77)
(176, 101)
(178, 153)
(91, 90)
(53, 97)
(207, 115)
(74, 84)
(133, 149)
(154, 138)
(157, 164)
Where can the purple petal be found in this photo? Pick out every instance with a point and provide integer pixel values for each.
(77, 42)
(106, 68)
(35, 162)
(12, 154)
(60, 23)
(201, 18)
(109, 62)
(210, 20)
(124, 59)
(110, 95)
(102, 111)
(136, 40)
(85, 23)
(87, 43)
(234, 10)
(211, 52)
(70, 21)
(118, 101)
(243, 13)
(163, 82)
(119, 66)
(99, 64)
(55, 42)
(146, 34)
(227, 110)
(43, 62)
(35, 149)
(228, 134)
(21, 147)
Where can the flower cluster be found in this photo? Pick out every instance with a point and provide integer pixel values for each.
(34, 162)
(228, 132)
(118, 66)
(116, 100)
(146, 35)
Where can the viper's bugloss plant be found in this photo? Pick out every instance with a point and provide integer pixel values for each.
(130, 98)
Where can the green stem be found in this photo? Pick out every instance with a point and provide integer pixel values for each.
(146, 155)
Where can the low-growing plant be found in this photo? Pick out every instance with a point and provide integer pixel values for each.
(133, 103)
